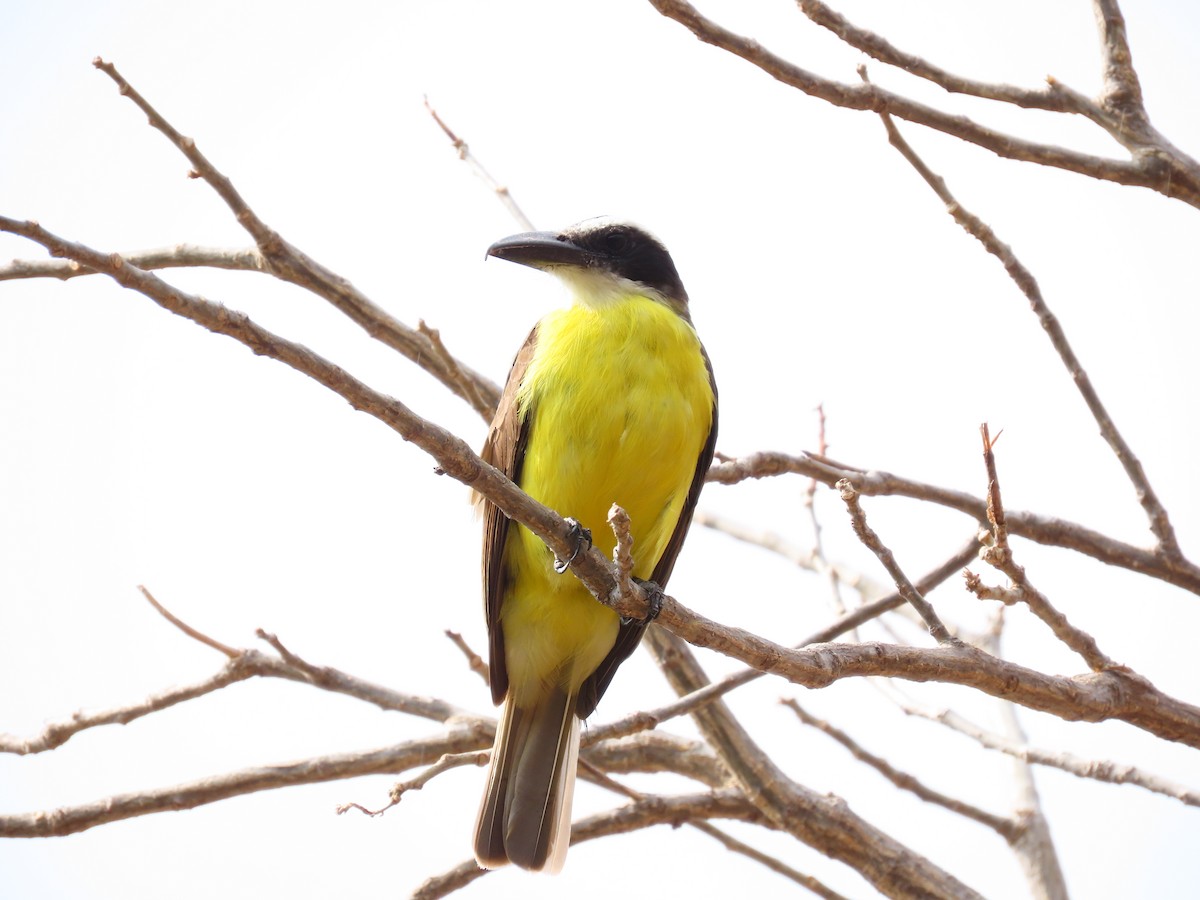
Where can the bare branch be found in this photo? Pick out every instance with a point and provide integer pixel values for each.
(809, 560)
(824, 823)
(188, 629)
(71, 820)
(819, 560)
(1122, 90)
(650, 752)
(631, 817)
(474, 660)
(702, 696)
(1006, 828)
(240, 666)
(468, 388)
(1033, 842)
(465, 154)
(618, 520)
(907, 590)
(1112, 694)
(1160, 523)
(1160, 167)
(290, 264)
(1095, 769)
(445, 764)
(55, 734)
(1054, 98)
(1000, 556)
(1118, 695)
(1032, 526)
(176, 257)
(814, 885)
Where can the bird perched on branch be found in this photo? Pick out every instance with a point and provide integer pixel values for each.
(611, 400)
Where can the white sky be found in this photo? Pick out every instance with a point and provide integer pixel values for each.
(136, 448)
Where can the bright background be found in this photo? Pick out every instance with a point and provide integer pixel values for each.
(136, 448)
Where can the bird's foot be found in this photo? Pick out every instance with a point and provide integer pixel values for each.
(579, 536)
(654, 596)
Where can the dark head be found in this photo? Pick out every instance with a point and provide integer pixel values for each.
(601, 260)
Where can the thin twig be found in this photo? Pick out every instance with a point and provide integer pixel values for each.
(815, 885)
(468, 388)
(618, 521)
(824, 823)
(398, 790)
(1112, 694)
(186, 628)
(999, 555)
(1033, 843)
(464, 153)
(178, 256)
(907, 589)
(820, 561)
(776, 543)
(1160, 523)
(622, 820)
(55, 734)
(1158, 165)
(1094, 769)
(386, 760)
(903, 780)
(1054, 97)
(731, 843)
(290, 264)
(1042, 529)
(474, 660)
(702, 696)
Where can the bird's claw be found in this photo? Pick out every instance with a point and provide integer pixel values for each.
(579, 536)
(654, 597)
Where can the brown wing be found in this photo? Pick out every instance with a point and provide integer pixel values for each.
(504, 448)
(630, 633)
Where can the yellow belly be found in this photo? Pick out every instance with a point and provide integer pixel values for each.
(622, 406)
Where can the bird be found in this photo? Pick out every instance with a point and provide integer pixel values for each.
(611, 399)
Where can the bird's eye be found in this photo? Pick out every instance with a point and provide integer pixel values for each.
(617, 241)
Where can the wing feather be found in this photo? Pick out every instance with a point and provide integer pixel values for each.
(504, 448)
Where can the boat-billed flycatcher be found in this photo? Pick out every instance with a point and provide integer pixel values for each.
(611, 400)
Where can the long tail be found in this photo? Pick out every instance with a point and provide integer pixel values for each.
(525, 817)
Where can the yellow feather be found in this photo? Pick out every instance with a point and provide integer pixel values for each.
(622, 406)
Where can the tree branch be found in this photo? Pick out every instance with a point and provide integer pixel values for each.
(1160, 523)
(464, 153)
(1000, 555)
(814, 885)
(809, 560)
(1095, 769)
(176, 257)
(240, 666)
(903, 780)
(622, 820)
(1054, 98)
(1046, 530)
(823, 822)
(1162, 169)
(1033, 842)
(868, 536)
(386, 760)
(290, 264)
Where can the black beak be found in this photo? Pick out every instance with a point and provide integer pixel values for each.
(541, 249)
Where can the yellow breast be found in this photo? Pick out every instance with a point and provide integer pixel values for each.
(622, 406)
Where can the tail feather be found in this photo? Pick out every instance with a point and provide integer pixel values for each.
(525, 817)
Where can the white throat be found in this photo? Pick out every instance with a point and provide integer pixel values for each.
(598, 288)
